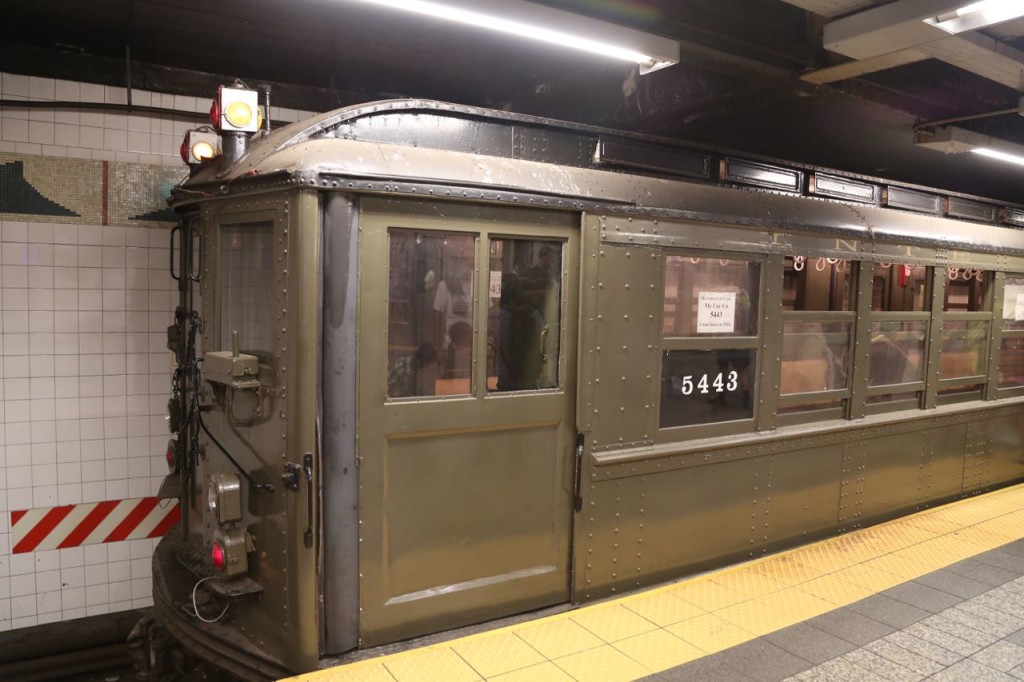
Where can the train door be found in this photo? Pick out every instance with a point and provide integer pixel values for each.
(466, 400)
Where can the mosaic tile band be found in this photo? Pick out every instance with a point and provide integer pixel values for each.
(65, 190)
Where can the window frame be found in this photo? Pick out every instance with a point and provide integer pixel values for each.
(989, 362)
(712, 343)
(844, 395)
(214, 223)
(473, 306)
(489, 238)
(483, 237)
(867, 316)
(998, 334)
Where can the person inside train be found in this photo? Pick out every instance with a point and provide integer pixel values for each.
(453, 302)
(518, 337)
(542, 292)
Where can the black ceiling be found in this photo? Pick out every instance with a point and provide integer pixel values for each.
(737, 85)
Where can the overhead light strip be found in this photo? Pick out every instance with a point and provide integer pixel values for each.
(899, 25)
(978, 15)
(953, 140)
(649, 51)
(999, 156)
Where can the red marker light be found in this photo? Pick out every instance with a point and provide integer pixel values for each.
(184, 149)
(217, 556)
(215, 113)
(170, 455)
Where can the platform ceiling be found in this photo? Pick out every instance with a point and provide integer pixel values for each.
(750, 78)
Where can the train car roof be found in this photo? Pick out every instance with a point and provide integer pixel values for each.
(440, 150)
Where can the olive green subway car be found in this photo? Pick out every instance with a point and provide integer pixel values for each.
(439, 365)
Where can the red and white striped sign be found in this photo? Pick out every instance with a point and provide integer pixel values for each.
(35, 530)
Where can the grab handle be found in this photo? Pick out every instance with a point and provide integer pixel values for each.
(195, 270)
(175, 229)
(307, 466)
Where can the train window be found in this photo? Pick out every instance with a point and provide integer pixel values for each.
(708, 368)
(817, 328)
(964, 346)
(430, 313)
(900, 301)
(706, 387)
(822, 284)
(247, 286)
(966, 330)
(1013, 303)
(967, 290)
(1011, 349)
(1011, 362)
(899, 288)
(711, 297)
(897, 352)
(814, 356)
(524, 314)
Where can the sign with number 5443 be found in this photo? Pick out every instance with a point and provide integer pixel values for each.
(722, 383)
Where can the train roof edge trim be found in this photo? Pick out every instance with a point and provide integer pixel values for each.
(452, 151)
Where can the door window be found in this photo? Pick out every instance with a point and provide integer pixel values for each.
(524, 314)
(430, 314)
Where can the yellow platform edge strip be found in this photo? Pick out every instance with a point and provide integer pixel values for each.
(659, 628)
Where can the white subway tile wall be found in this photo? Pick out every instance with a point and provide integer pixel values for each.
(100, 135)
(85, 374)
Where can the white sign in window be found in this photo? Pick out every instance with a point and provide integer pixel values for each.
(1018, 309)
(716, 312)
(494, 288)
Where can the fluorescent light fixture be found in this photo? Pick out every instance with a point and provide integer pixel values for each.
(905, 24)
(999, 156)
(978, 15)
(528, 20)
(952, 140)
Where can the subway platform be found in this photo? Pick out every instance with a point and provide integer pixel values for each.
(938, 595)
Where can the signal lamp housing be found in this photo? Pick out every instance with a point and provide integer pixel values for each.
(224, 498)
(229, 552)
(236, 110)
(199, 146)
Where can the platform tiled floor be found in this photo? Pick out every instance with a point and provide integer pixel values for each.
(962, 622)
(936, 594)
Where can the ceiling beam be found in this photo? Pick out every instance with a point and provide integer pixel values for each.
(982, 55)
(861, 67)
(972, 52)
(875, 28)
(886, 28)
(829, 8)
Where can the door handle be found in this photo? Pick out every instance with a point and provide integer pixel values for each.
(578, 497)
(307, 467)
(195, 271)
(543, 343)
(176, 230)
